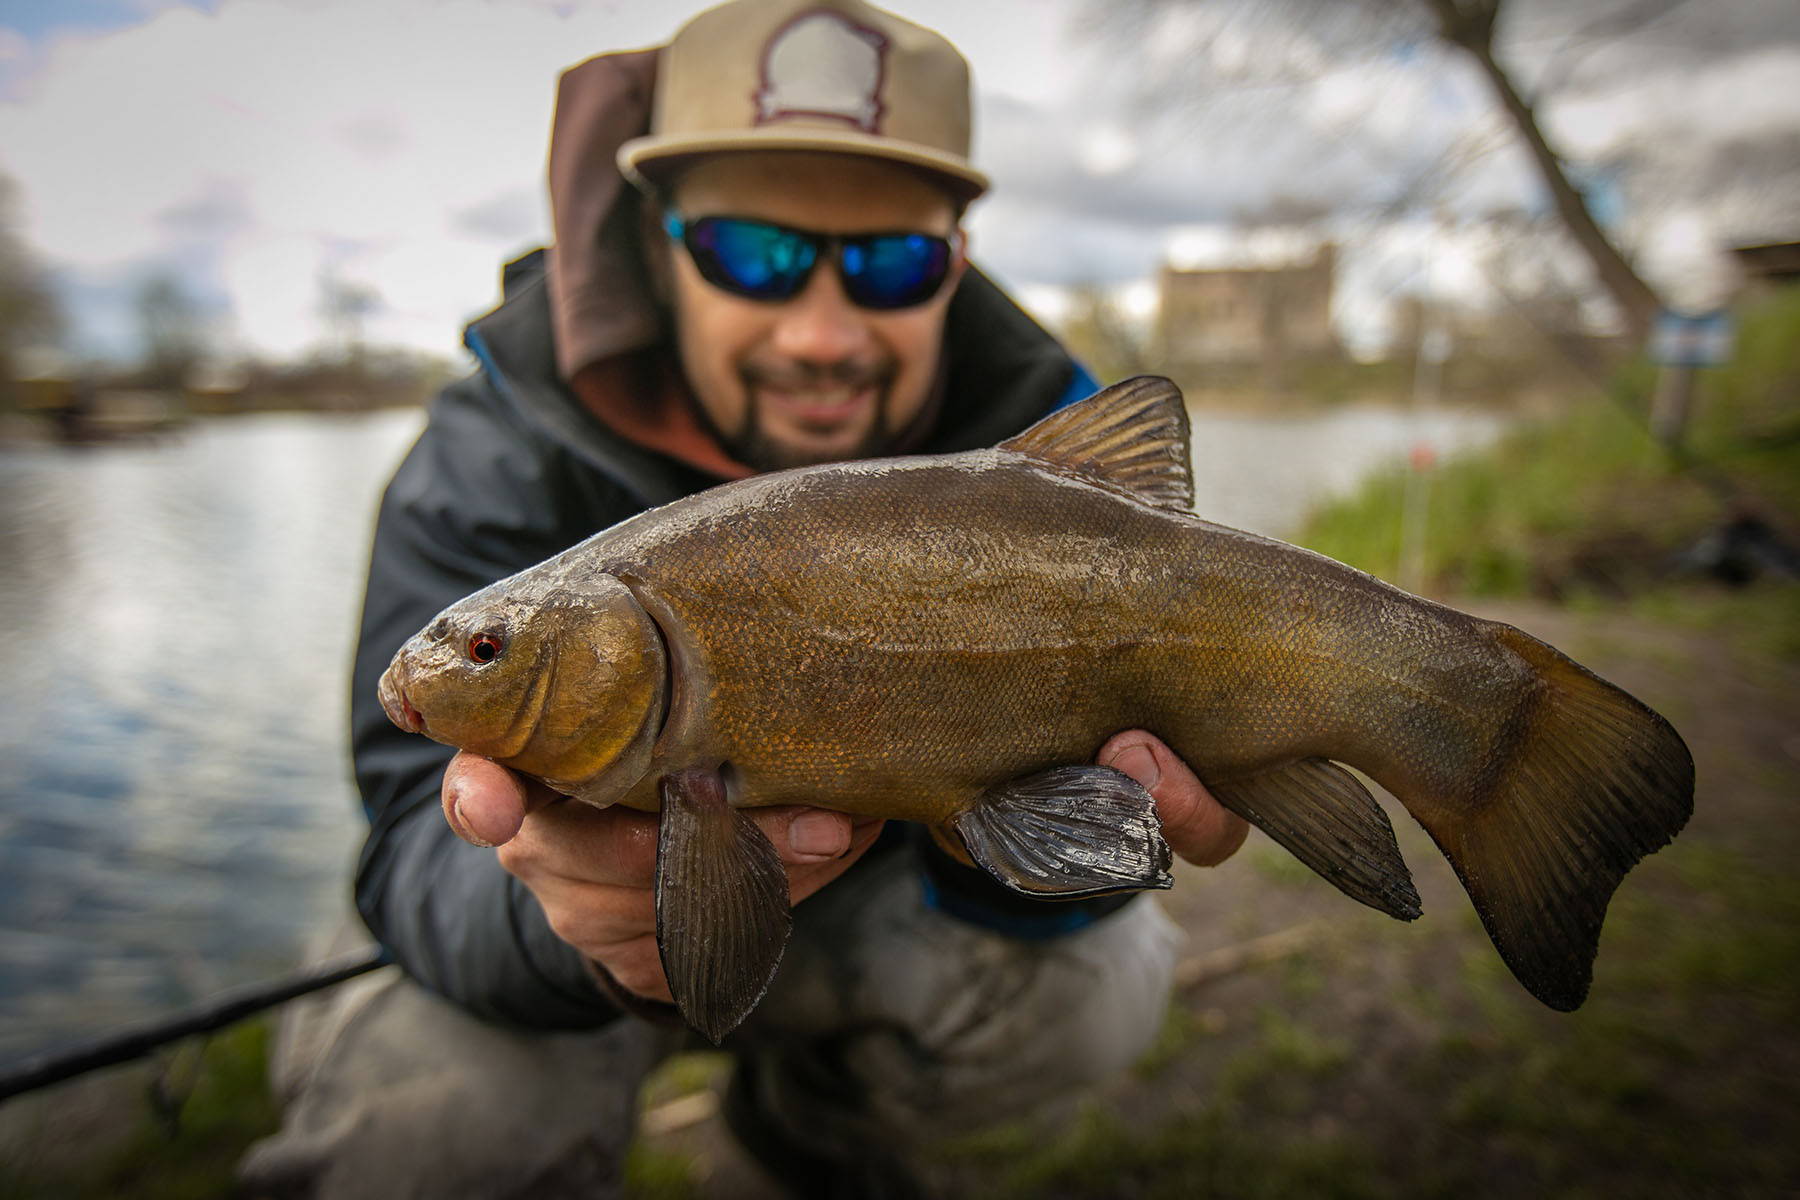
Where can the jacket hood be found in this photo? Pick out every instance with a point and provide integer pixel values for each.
(601, 304)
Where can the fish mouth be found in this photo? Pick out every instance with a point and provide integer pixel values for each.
(398, 708)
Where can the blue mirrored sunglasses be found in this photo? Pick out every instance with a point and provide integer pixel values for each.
(761, 261)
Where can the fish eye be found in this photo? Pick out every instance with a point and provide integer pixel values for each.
(485, 647)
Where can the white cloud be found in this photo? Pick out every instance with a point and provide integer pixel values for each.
(399, 145)
(348, 134)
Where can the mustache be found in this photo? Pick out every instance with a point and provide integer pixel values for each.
(852, 374)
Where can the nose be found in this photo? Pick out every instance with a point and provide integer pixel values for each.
(821, 325)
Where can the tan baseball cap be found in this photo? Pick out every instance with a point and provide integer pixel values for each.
(832, 75)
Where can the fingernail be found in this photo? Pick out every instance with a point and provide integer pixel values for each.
(817, 834)
(1139, 763)
(462, 825)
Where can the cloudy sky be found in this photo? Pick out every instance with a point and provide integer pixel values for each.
(263, 149)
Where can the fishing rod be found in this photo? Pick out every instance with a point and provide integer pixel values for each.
(46, 1067)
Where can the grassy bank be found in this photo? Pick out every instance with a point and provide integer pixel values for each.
(173, 1131)
(1588, 505)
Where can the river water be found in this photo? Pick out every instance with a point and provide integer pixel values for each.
(176, 810)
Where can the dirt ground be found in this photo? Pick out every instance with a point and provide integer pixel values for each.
(1319, 1048)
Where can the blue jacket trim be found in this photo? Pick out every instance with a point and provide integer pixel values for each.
(1081, 386)
(1054, 922)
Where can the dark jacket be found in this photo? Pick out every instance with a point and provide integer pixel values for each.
(511, 469)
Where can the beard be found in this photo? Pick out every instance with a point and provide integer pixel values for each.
(752, 445)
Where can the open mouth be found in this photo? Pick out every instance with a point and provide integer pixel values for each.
(821, 410)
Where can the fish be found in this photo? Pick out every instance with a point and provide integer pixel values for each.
(948, 639)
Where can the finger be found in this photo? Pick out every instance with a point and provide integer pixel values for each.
(612, 847)
(804, 880)
(637, 967)
(596, 919)
(485, 803)
(1196, 826)
(804, 835)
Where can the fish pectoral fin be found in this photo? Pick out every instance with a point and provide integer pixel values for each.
(1133, 435)
(1326, 818)
(722, 910)
(1067, 833)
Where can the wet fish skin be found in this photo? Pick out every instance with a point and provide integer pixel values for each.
(905, 638)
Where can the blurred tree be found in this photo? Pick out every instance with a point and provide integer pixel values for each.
(1098, 332)
(346, 308)
(1469, 26)
(29, 314)
(1257, 37)
(171, 328)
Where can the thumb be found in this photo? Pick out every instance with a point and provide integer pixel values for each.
(485, 803)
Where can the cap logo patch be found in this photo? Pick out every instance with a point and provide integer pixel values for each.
(822, 64)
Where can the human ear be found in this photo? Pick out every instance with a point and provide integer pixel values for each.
(961, 262)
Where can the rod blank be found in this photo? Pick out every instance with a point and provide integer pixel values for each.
(44, 1068)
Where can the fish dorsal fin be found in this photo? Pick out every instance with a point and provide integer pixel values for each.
(1133, 435)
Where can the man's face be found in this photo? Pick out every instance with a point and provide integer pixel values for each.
(814, 378)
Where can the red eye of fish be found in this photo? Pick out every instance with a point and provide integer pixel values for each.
(485, 647)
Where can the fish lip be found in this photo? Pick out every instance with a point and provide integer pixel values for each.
(398, 708)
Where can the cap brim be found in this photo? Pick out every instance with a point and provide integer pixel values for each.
(652, 160)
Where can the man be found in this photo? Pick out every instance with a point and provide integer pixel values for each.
(782, 281)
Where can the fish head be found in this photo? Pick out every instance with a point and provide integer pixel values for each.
(553, 677)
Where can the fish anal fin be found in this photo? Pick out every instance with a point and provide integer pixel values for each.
(722, 910)
(1326, 818)
(1589, 782)
(1132, 435)
(1067, 833)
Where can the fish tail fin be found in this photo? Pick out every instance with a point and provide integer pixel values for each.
(1588, 783)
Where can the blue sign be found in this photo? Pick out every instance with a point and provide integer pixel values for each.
(1693, 339)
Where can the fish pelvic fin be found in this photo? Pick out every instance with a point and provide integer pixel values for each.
(1326, 818)
(722, 909)
(1588, 783)
(1132, 435)
(1068, 833)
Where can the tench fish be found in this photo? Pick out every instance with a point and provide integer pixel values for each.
(948, 639)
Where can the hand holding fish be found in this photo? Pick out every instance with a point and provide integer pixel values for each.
(594, 870)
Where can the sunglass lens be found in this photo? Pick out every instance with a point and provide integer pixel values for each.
(894, 270)
(753, 259)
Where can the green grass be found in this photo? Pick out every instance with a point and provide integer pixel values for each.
(186, 1153)
(1588, 503)
(654, 1174)
(1668, 1077)
(1219, 1152)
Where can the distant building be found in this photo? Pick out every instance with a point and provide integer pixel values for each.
(1265, 316)
(1770, 265)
